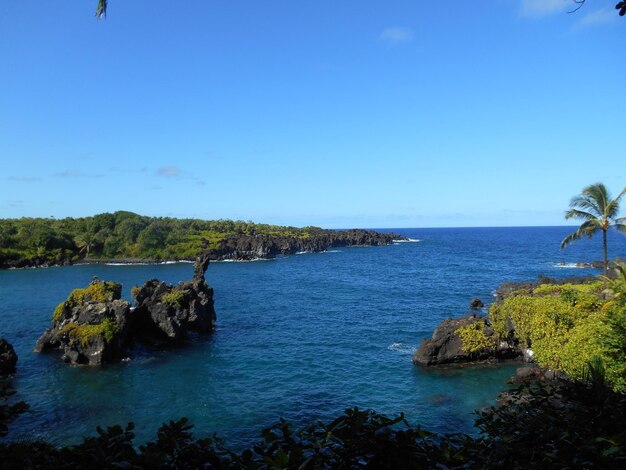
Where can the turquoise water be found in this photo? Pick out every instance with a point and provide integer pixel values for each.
(302, 337)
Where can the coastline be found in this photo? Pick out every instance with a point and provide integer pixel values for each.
(236, 248)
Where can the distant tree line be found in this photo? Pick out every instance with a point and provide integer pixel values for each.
(122, 235)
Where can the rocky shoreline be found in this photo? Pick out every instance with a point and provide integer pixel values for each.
(238, 247)
(472, 339)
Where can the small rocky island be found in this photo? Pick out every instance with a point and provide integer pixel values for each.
(473, 338)
(95, 326)
(467, 339)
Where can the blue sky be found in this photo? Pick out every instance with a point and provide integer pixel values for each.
(331, 113)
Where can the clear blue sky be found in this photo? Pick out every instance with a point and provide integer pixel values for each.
(334, 113)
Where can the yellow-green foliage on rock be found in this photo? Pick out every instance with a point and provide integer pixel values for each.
(566, 326)
(554, 289)
(58, 311)
(174, 298)
(85, 333)
(97, 291)
(474, 338)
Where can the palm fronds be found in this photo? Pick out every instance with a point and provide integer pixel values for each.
(101, 11)
(595, 206)
(587, 229)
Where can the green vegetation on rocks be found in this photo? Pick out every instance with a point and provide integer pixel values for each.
(95, 292)
(84, 334)
(174, 298)
(474, 338)
(567, 326)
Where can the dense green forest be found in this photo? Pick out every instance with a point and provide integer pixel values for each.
(123, 235)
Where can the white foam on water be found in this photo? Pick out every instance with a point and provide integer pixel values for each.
(401, 348)
(156, 263)
(241, 260)
(408, 240)
(569, 266)
(130, 264)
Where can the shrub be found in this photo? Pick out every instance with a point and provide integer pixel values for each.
(474, 338)
(86, 333)
(568, 326)
(134, 291)
(59, 311)
(613, 344)
(97, 291)
(594, 287)
(174, 298)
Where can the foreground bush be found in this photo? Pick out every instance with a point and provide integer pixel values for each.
(567, 326)
(560, 425)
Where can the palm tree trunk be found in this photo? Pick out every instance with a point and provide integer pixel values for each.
(606, 257)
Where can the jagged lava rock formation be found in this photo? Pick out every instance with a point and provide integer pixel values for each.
(166, 312)
(247, 247)
(8, 358)
(94, 325)
(91, 327)
(466, 339)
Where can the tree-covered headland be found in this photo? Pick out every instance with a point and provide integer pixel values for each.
(123, 235)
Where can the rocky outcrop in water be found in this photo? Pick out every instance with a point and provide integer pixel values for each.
(466, 339)
(472, 338)
(8, 358)
(93, 325)
(166, 313)
(247, 247)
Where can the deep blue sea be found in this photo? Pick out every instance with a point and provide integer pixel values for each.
(301, 337)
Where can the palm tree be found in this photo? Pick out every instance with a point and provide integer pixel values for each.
(85, 242)
(101, 11)
(595, 206)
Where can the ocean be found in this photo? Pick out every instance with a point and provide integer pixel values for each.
(301, 337)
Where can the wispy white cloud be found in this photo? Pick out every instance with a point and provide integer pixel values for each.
(168, 171)
(24, 179)
(396, 35)
(540, 8)
(76, 174)
(597, 17)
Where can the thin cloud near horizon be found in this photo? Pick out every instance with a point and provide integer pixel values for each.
(168, 171)
(396, 35)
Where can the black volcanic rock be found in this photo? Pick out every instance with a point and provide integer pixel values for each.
(247, 247)
(476, 304)
(94, 325)
(446, 345)
(91, 327)
(165, 312)
(8, 358)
